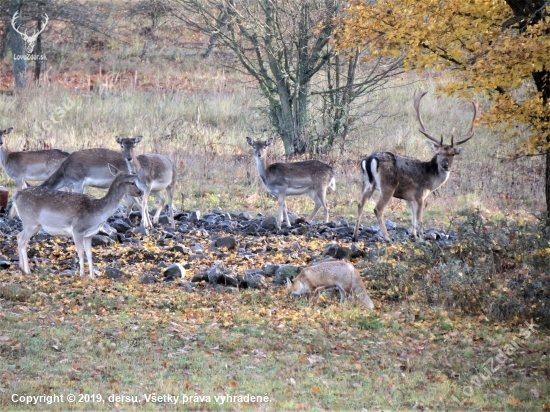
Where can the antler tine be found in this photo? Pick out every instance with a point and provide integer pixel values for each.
(13, 23)
(422, 129)
(471, 131)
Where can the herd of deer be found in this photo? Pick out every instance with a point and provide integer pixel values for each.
(72, 213)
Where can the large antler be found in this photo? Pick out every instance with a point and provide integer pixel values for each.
(470, 132)
(25, 35)
(422, 129)
(13, 24)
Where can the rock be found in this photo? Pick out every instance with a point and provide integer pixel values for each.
(100, 240)
(216, 272)
(179, 248)
(200, 277)
(227, 241)
(251, 229)
(188, 287)
(174, 271)
(229, 279)
(197, 248)
(106, 230)
(140, 230)
(148, 279)
(356, 251)
(116, 274)
(270, 223)
(338, 252)
(121, 225)
(195, 215)
(164, 219)
(286, 272)
(255, 281)
(269, 270)
(4, 263)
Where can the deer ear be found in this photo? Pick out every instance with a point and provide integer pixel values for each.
(433, 146)
(138, 139)
(458, 151)
(250, 141)
(268, 142)
(119, 139)
(113, 169)
(8, 130)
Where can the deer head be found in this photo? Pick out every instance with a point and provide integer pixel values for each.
(30, 41)
(444, 153)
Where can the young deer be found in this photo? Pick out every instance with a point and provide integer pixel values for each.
(155, 173)
(408, 178)
(310, 177)
(69, 214)
(31, 165)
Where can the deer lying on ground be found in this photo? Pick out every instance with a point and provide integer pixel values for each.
(31, 165)
(406, 177)
(341, 275)
(155, 173)
(69, 214)
(310, 177)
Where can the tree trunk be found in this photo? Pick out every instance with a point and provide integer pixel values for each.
(38, 52)
(17, 46)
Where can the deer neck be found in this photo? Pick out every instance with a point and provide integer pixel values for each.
(439, 176)
(4, 154)
(262, 164)
(108, 204)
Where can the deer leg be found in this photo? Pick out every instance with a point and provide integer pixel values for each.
(419, 213)
(366, 195)
(282, 208)
(79, 244)
(145, 217)
(379, 212)
(160, 205)
(414, 210)
(130, 201)
(22, 242)
(170, 191)
(318, 203)
(88, 250)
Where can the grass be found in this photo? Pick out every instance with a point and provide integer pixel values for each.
(299, 356)
(429, 339)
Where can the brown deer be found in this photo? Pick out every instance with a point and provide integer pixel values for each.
(155, 173)
(310, 177)
(29, 165)
(406, 177)
(69, 214)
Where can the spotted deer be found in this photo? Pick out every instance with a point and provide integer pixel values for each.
(28, 165)
(69, 214)
(408, 178)
(155, 173)
(310, 177)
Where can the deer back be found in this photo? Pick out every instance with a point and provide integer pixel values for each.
(88, 167)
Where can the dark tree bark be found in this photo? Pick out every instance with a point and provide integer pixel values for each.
(17, 46)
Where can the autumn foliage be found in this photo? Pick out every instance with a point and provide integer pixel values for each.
(491, 51)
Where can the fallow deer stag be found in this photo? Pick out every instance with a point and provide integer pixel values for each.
(69, 214)
(31, 165)
(310, 177)
(155, 173)
(408, 178)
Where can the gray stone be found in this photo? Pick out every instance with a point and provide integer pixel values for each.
(174, 271)
(286, 272)
(270, 269)
(227, 241)
(100, 240)
(216, 272)
(195, 215)
(148, 279)
(116, 274)
(255, 281)
(270, 223)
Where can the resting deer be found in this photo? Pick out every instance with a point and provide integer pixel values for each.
(69, 214)
(310, 177)
(155, 173)
(31, 165)
(408, 178)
